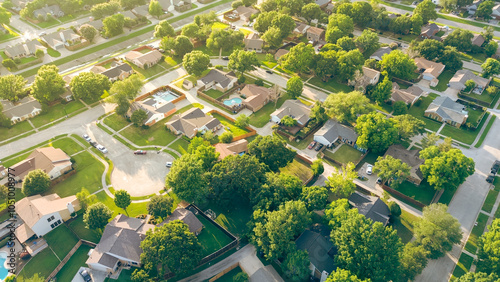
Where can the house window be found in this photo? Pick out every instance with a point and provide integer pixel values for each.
(50, 218)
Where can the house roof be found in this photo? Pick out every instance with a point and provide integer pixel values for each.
(371, 207)
(97, 24)
(253, 41)
(429, 29)
(217, 76)
(141, 10)
(295, 109)
(185, 216)
(315, 30)
(46, 159)
(381, 52)
(280, 53)
(191, 120)
(246, 11)
(409, 157)
(477, 40)
(301, 27)
(165, 4)
(33, 45)
(322, 2)
(233, 148)
(53, 39)
(447, 109)
(496, 10)
(52, 9)
(432, 68)
(115, 71)
(461, 76)
(406, 95)
(370, 73)
(16, 50)
(320, 250)
(333, 130)
(32, 209)
(149, 57)
(128, 14)
(256, 95)
(24, 107)
(69, 34)
(153, 108)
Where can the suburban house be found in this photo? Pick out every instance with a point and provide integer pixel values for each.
(256, 96)
(430, 70)
(477, 40)
(23, 49)
(458, 81)
(193, 121)
(144, 60)
(472, 8)
(53, 40)
(53, 10)
(54, 162)
(496, 12)
(186, 216)
(371, 207)
(97, 24)
(315, 34)
(409, 157)
(295, 109)
(446, 110)
(409, 95)
(239, 147)
(369, 77)
(26, 108)
(182, 6)
(128, 14)
(280, 53)
(329, 8)
(58, 39)
(429, 30)
(380, 53)
(321, 252)
(141, 11)
(165, 5)
(154, 110)
(333, 131)
(120, 245)
(117, 71)
(322, 3)
(253, 42)
(300, 28)
(246, 13)
(41, 214)
(218, 80)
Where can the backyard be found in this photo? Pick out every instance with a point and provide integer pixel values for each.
(298, 168)
(236, 130)
(61, 240)
(214, 93)
(332, 85)
(262, 116)
(211, 238)
(466, 136)
(77, 260)
(418, 109)
(180, 145)
(234, 220)
(345, 154)
(484, 97)
(444, 79)
(404, 225)
(43, 264)
(422, 193)
(78, 226)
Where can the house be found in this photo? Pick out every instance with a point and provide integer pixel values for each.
(371, 207)
(253, 42)
(97, 24)
(120, 245)
(165, 5)
(144, 60)
(53, 10)
(409, 157)
(409, 95)
(182, 6)
(472, 8)
(54, 162)
(315, 34)
(477, 40)
(322, 3)
(458, 81)
(333, 131)
(446, 110)
(54, 40)
(69, 37)
(380, 53)
(193, 121)
(295, 109)
(219, 80)
(186, 216)
(22, 50)
(280, 53)
(329, 8)
(430, 70)
(496, 12)
(154, 110)
(41, 214)
(429, 30)
(301, 28)
(369, 77)
(128, 14)
(117, 71)
(22, 110)
(321, 252)
(257, 96)
(142, 11)
(246, 13)
(239, 147)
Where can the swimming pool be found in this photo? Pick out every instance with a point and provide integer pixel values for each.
(3, 269)
(164, 96)
(232, 102)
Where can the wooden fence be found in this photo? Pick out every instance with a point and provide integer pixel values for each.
(251, 133)
(474, 100)
(403, 196)
(220, 274)
(220, 103)
(64, 261)
(181, 95)
(63, 177)
(78, 46)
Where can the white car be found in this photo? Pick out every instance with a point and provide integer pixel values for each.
(42, 33)
(102, 149)
(169, 164)
(369, 169)
(86, 137)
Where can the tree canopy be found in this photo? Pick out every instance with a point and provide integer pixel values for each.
(97, 216)
(89, 85)
(299, 59)
(122, 199)
(376, 132)
(12, 87)
(341, 182)
(489, 251)
(427, 10)
(399, 64)
(243, 61)
(271, 151)
(36, 182)
(394, 170)
(48, 84)
(160, 206)
(113, 25)
(196, 62)
(163, 28)
(187, 178)
(346, 107)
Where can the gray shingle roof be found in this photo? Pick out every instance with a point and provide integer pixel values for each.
(295, 109)
(409, 157)
(219, 77)
(381, 52)
(333, 130)
(371, 207)
(117, 70)
(187, 217)
(447, 109)
(321, 251)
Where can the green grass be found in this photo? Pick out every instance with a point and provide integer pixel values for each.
(332, 85)
(404, 225)
(490, 201)
(61, 240)
(53, 53)
(76, 261)
(211, 238)
(444, 79)
(133, 210)
(463, 265)
(262, 116)
(69, 146)
(125, 276)
(214, 93)
(474, 116)
(43, 264)
(234, 220)
(81, 140)
(46, 24)
(155, 135)
(485, 97)
(485, 132)
(345, 154)
(56, 112)
(180, 145)
(219, 25)
(78, 226)
(422, 193)
(16, 129)
(236, 130)
(149, 72)
(476, 232)
(418, 112)
(446, 197)
(298, 168)
(26, 60)
(463, 135)
(88, 175)
(116, 122)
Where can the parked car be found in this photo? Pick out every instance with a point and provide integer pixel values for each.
(86, 137)
(490, 178)
(42, 33)
(318, 147)
(140, 152)
(495, 167)
(86, 276)
(94, 144)
(313, 143)
(269, 71)
(379, 180)
(101, 148)
(225, 58)
(169, 164)
(369, 169)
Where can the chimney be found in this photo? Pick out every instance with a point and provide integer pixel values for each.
(70, 207)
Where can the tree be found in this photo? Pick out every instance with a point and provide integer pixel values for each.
(339, 25)
(284, 23)
(395, 209)
(367, 42)
(296, 265)
(4, 192)
(171, 246)
(288, 121)
(263, 21)
(196, 62)
(325, 63)
(401, 25)
(122, 199)
(155, 9)
(160, 206)
(416, 24)
(362, 13)
(451, 59)
(272, 37)
(128, 87)
(48, 84)
(342, 275)
(89, 85)
(88, 32)
(488, 33)
(485, 9)
(437, 230)
(182, 46)
(241, 277)
(318, 113)
(272, 151)
(413, 260)
(376, 132)
(4, 16)
(430, 49)
(477, 277)
(469, 85)
(299, 58)
(341, 183)
(138, 117)
(85, 198)
(392, 170)
(113, 25)
(35, 182)
(399, 108)
(460, 39)
(427, 10)
(12, 87)
(243, 61)
(345, 107)
(102, 10)
(97, 216)
(346, 43)
(34, 278)
(167, 44)
(224, 40)
(490, 67)
(382, 91)
(242, 121)
(399, 64)
(448, 5)
(311, 11)
(206, 153)
(492, 90)
(226, 137)
(445, 169)
(317, 167)
(294, 87)
(9, 64)
(278, 189)
(408, 126)
(349, 63)
(236, 4)
(163, 28)
(315, 197)
(489, 254)
(190, 30)
(491, 48)
(187, 179)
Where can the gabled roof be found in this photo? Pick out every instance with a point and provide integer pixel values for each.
(320, 250)
(46, 159)
(217, 76)
(280, 53)
(322, 2)
(53, 39)
(477, 40)
(149, 57)
(165, 4)
(370, 73)
(151, 109)
(191, 120)
(315, 30)
(447, 109)
(141, 10)
(432, 68)
(16, 50)
(333, 130)
(185, 216)
(295, 109)
(256, 95)
(234, 148)
(22, 108)
(406, 95)
(32, 209)
(381, 52)
(97, 24)
(246, 11)
(429, 29)
(253, 41)
(301, 27)
(461, 76)
(115, 71)
(371, 207)
(33, 45)
(409, 157)
(128, 14)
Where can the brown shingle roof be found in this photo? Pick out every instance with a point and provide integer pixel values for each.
(231, 148)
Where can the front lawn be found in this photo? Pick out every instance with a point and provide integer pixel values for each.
(486, 130)
(332, 85)
(149, 72)
(418, 112)
(444, 79)
(180, 145)
(61, 240)
(76, 261)
(56, 112)
(43, 263)
(236, 130)
(133, 210)
(422, 193)
(78, 226)
(67, 144)
(476, 232)
(263, 116)
(298, 168)
(404, 225)
(155, 135)
(490, 201)
(463, 135)
(463, 265)
(16, 129)
(211, 238)
(345, 154)
(116, 122)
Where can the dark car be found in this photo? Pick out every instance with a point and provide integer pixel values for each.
(495, 167)
(85, 274)
(93, 143)
(225, 58)
(269, 71)
(319, 147)
(140, 152)
(490, 178)
(313, 143)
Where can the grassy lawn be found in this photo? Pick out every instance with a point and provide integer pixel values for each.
(228, 277)
(211, 238)
(332, 85)
(298, 168)
(133, 210)
(56, 112)
(490, 201)
(234, 220)
(485, 132)
(25, 60)
(43, 264)
(149, 72)
(61, 240)
(474, 116)
(236, 130)
(345, 154)
(418, 112)
(50, 22)
(219, 25)
(180, 145)
(463, 135)
(78, 226)
(404, 225)
(116, 122)
(53, 53)
(422, 193)
(214, 93)
(155, 135)
(463, 265)
(16, 129)
(88, 174)
(262, 116)
(446, 197)
(76, 261)
(476, 232)
(69, 146)
(444, 79)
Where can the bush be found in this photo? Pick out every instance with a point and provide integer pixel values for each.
(144, 126)
(418, 102)
(395, 209)
(219, 67)
(226, 137)
(400, 108)
(236, 4)
(17, 60)
(259, 82)
(241, 79)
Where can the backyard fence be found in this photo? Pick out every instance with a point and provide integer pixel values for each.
(251, 133)
(77, 46)
(474, 100)
(181, 95)
(217, 101)
(220, 274)
(63, 177)
(403, 196)
(64, 261)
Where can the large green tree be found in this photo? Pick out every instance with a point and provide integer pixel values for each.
(413, 260)
(315, 197)
(349, 63)
(113, 25)
(430, 49)
(48, 84)
(284, 23)
(89, 85)
(36, 182)
(196, 62)
(368, 41)
(272, 37)
(490, 67)
(12, 87)
(160, 206)
(485, 9)
(4, 16)
(122, 199)
(88, 32)
(391, 169)
(382, 91)
(427, 10)
(296, 265)
(299, 59)
(460, 39)
(155, 9)
(339, 25)
(477, 277)
(263, 21)
(311, 11)
(163, 28)
(376, 132)
(342, 275)
(408, 126)
(341, 182)
(272, 151)
(488, 259)
(85, 198)
(187, 178)
(243, 61)
(398, 64)
(97, 216)
(279, 188)
(294, 87)
(224, 40)
(182, 46)
(346, 107)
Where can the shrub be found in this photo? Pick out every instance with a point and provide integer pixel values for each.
(17, 60)
(259, 82)
(236, 4)
(241, 79)
(226, 137)
(219, 67)
(395, 209)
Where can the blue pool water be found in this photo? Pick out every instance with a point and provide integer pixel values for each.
(3, 271)
(164, 96)
(231, 102)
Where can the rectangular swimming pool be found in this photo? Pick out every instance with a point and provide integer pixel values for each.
(164, 96)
